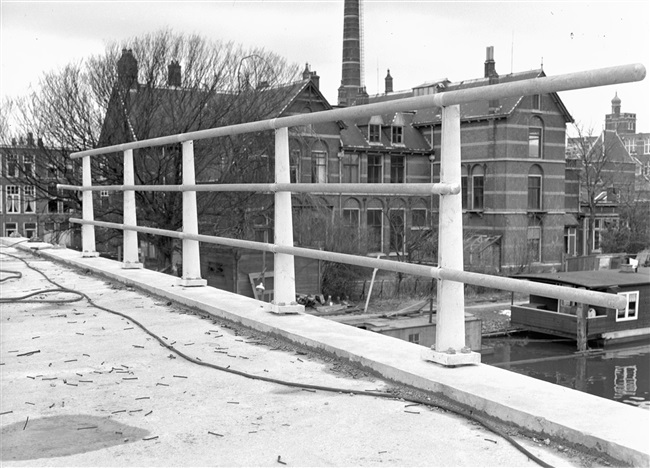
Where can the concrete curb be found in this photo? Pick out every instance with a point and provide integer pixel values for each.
(568, 416)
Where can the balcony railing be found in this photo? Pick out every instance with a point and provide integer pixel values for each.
(450, 346)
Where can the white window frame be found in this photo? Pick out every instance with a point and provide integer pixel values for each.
(29, 195)
(374, 137)
(10, 230)
(344, 218)
(414, 338)
(27, 230)
(13, 194)
(646, 146)
(12, 158)
(29, 159)
(319, 167)
(628, 314)
(397, 135)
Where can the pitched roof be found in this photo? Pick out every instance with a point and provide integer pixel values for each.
(481, 109)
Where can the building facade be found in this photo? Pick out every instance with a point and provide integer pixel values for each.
(30, 204)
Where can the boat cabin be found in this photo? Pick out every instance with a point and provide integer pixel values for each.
(561, 318)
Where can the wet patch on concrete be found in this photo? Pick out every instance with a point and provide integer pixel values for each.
(60, 436)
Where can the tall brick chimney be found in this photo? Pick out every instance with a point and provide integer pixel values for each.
(174, 74)
(127, 70)
(351, 66)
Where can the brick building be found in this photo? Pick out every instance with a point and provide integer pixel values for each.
(30, 204)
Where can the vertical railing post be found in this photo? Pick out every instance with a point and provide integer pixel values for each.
(450, 348)
(130, 240)
(284, 287)
(87, 231)
(191, 256)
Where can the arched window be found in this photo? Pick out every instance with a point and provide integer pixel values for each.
(351, 213)
(319, 162)
(535, 177)
(535, 138)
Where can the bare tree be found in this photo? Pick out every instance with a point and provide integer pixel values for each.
(602, 163)
(159, 84)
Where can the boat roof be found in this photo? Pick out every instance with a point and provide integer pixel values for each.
(595, 279)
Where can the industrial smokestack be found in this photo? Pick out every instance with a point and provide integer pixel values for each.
(351, 65)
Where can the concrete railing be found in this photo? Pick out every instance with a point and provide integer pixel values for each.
(450, 346)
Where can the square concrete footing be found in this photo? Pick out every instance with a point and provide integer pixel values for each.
(286, 309)
(132, 265)
(447, 359)
(88, 254)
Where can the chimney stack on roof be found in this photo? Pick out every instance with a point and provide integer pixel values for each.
(490, 65)
(307, 74)
(127, 70)
(388, 82)
(174, 74)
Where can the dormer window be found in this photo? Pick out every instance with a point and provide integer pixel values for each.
(374, 133)
(397, 130)
(397, 135)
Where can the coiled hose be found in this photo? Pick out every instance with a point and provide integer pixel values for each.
(461, 412)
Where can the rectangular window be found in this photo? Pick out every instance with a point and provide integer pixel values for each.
(397, 135)
(374, 229)
(13, 199)
(646, 146)
(10, 229)
(419, 218)
(534, 192)
(534, 243)
(464, 191)
(29, 192)
(534, 142)
(294, 166)
(396, 219)
(351, 217)
(414, 338)
(374, 133)
(631, 311)
(599, 227)
(350, 168)
(537, 102)
(478, 183)
(30, 230)
(318, 167)
(570, 241)
(397, 169)
(375, 169)
(12, 166)
(28, 165)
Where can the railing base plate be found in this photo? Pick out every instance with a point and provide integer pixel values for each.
(286, 309)
(448, 360)
(88, 254)
(193, 282)
(132, 265)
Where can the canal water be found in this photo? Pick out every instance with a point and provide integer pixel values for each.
(621, 374)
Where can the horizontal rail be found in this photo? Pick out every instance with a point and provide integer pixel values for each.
(383, 189)
(611, 301)
(551, 84)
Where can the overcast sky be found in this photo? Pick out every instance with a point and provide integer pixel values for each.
(418, 40)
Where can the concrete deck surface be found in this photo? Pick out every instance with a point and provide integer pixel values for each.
(139, 391)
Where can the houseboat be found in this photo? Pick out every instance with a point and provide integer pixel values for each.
(606, 326)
